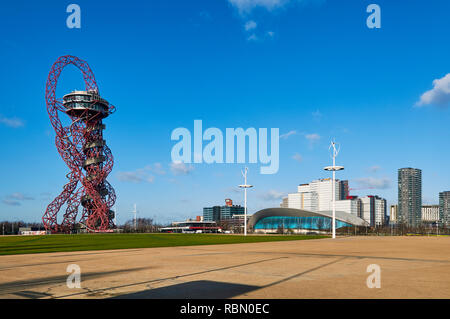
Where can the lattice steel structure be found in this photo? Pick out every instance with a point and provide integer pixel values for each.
(83, 149)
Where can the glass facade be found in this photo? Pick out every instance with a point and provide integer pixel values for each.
(218, 213)
(211, 213)
(227, 212)
(288, 222)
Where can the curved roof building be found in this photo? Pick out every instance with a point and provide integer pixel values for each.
(272, 219)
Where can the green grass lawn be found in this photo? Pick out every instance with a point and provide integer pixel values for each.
(12, 245)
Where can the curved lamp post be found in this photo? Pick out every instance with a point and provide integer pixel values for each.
(334, 168)
(245, 186)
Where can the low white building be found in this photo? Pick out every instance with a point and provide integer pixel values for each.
(393, 218)
(373, 210)
(430, 213)
(380, 211)
(350, 206)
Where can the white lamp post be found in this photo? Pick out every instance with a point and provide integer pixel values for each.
(135, 219)
(245, 186)
(334, 168)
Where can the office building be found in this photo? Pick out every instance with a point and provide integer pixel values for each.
(367, 209)
(410, 196)
(219, 213)
(343, 190)
(380, 211)
(373, 210)
(352, 205)
(393, 217)
(316, 196)
(211, 213)
(444, 208)
(430, 213)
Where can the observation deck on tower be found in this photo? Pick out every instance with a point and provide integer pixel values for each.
(86, 104)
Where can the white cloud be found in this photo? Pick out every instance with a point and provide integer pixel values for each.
(272, 195)
(10, 202)
(246, 6)
(11, 121)
(314, 137)
(156, 168)
(250, 25)
(19, 196)
(253, 37)
(14, 199)
(180, 168)
(137, 176)
(439, 95)
(286, 135)
(246, 9)
(298, 157)
(376, 183)
(142, 174)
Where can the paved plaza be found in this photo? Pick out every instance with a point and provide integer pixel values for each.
(411, 267)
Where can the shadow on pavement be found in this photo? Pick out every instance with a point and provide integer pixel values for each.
(19, 286)
(201, 289)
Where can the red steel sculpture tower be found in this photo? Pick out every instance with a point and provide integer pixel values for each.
(83, 149)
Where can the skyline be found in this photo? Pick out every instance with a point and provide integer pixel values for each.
(313, 70)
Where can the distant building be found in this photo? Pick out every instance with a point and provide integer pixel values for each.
(281, 220)
(228, 212)
(343, 190)
(430, 213)
(393, 214)
(352, 205)
(304, 200)
(211, 213)
(410, 196)
(316, 196)
(284, 203)
(192, 226)
(373, 210)
(380, 211)
(444, 207)
(30, 231)
(367, 209)
(219, 213)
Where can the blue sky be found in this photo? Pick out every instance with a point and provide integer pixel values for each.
(313, 69)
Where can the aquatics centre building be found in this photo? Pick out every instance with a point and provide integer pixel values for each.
(271, 220)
